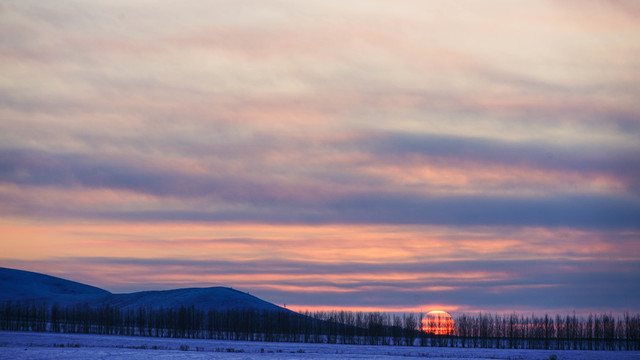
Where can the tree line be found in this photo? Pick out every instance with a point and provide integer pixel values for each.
(515, 331)
(570, 332)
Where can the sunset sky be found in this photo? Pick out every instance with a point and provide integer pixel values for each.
(359, 155)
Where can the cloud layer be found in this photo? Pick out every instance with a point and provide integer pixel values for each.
(439, 139)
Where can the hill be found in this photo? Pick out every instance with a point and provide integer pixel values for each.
(26, 286)
(30, 287)
(217, 298)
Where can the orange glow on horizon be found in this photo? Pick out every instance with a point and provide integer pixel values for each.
(365, 309)
(322, 262)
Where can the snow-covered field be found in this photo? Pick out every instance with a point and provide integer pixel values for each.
(27, 345)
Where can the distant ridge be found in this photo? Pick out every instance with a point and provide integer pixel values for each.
(211, 298)
(27, 286)
(30, 287)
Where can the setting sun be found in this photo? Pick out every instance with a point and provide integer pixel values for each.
(437, 322)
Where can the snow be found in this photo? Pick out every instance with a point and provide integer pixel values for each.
(20, 286)
(28, 287)
(29, 345)
(218, 298)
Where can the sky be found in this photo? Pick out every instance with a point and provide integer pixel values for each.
(361, 155)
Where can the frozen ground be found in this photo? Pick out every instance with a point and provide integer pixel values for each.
(26, 345)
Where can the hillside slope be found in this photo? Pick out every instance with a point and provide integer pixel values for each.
(30, 287)
(27, 286)
(216, 298)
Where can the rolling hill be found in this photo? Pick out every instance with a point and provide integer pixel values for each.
(30, 287)
(217, 298)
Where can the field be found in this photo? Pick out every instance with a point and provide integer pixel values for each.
(30, 345)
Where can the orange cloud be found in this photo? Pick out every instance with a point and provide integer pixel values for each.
(329, 244)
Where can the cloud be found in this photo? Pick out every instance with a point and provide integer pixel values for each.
(353, 266)
(491, 151)
(579, 212)
(494, 286)
(367, 131)
(215, 194)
